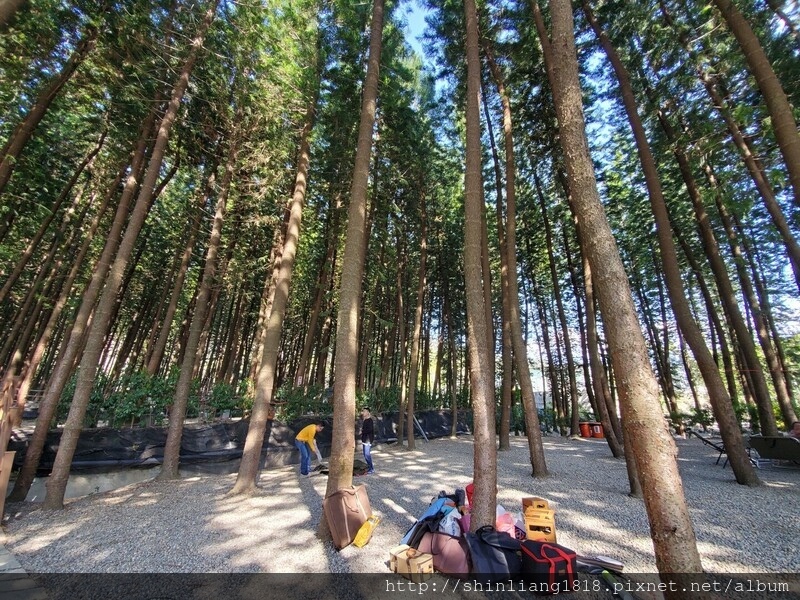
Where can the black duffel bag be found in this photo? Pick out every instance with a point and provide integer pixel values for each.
(494, 554)
(550, 566)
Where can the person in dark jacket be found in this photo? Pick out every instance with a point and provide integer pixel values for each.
(367, 437)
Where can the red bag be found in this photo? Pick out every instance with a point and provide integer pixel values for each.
(548, 565)
(450, 554)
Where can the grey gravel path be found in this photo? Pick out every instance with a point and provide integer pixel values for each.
(192, 526)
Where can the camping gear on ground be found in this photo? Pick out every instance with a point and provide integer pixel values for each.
(504, 522)
(540, 525)
(604, 562)
(365, 531)
(534, 503)
(550, 564)
(410, 563)
(464, 522)
(494, 554)
(346, 510)
(539, 519)
(359, 468)
(428, 521)
(450, 524)
(450, 554)
(470, 489)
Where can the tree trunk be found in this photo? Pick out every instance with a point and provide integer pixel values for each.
(535, 446)
(481, 354)
(599, 379)
(177, 411)
(346, 357)
(417, 334)
(57, 482)
(780, 111)
(157, 352)
(265, 386)
(9, 155)
(718, 394)
(8, 9)
(507, 376)
(645, 431)
(326, 270)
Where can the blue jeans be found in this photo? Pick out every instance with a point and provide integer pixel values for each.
(367, 447)
(305, 457)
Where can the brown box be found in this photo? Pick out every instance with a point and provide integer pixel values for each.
(540, 525)
(533, 503)
(410, 563)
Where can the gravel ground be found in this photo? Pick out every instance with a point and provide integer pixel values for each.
(192, 526)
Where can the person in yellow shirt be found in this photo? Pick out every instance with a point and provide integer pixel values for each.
(305, 444)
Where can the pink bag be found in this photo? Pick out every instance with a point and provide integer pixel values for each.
(450, 554)
(505, 523)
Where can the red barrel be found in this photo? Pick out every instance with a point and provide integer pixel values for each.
(585, 430)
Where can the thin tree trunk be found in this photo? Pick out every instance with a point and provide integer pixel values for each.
(479, 330)
(718, 394)
(535, 446)
(327, 268)
(507, 376)
(177, 412)
(57, 482)
(780, 111)
(413, 369)
(265, 386)
(346, 352)
(645, 431)
(157, 352)
(599, 379)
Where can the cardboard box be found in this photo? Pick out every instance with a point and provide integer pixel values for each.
(534, 504)
(540, 525)
(410, 563)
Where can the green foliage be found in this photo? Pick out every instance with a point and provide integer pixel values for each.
(141, 399)
(98, 404)
(234, 398)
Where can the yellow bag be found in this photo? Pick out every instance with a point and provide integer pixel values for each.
(365, 531)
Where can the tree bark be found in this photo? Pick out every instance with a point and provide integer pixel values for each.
(645, 431)
(780, 111)
(481, 354)
(265, 386)
(57, 482)
(346, 358)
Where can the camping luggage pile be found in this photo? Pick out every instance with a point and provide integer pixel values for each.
(520, 546)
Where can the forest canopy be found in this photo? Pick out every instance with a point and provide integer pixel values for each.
(154, 154)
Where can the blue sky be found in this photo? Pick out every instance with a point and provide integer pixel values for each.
(415, 15)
